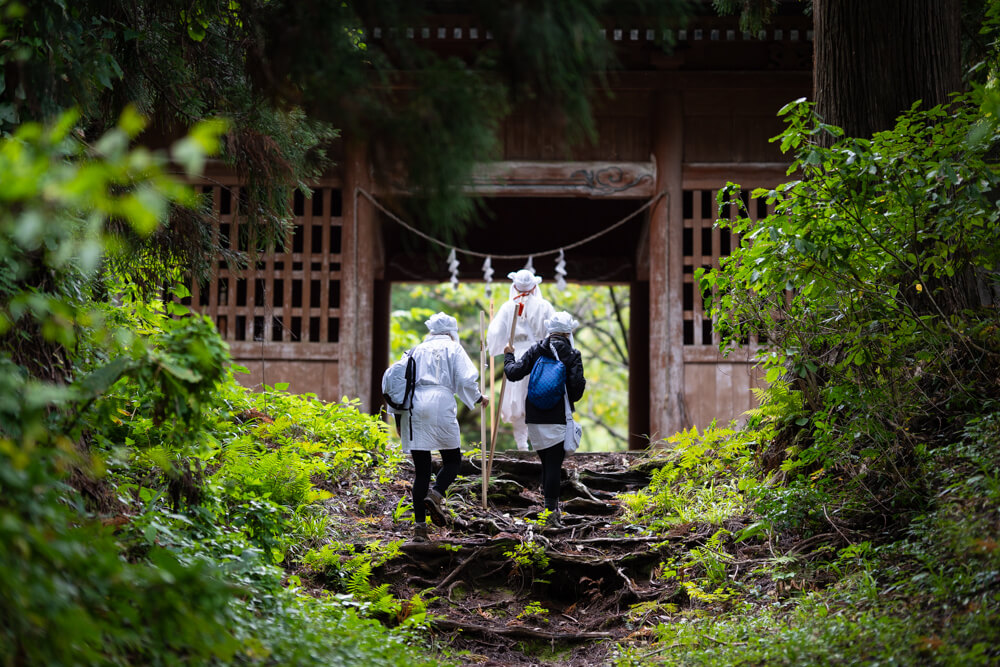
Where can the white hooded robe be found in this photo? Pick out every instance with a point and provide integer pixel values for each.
(530, 329)
(444, 370)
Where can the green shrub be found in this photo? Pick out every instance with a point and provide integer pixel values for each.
(870, 471)
(872, 283)
(701, 477)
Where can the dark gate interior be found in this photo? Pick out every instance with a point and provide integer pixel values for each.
(521, 226)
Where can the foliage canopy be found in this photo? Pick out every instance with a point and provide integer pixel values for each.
(289, 75)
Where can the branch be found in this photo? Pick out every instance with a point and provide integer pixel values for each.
(621, 323)
(459, 568)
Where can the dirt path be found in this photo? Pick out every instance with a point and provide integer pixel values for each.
(508, 592)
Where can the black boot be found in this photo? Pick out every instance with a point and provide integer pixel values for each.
(433, 504)
(420, 532)
(553, 520)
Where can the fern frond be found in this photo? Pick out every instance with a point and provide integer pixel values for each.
(357, 581)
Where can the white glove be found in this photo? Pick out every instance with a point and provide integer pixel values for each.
(522, 447)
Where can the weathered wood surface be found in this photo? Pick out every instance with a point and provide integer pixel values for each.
(633, 180)
(665, 331)
(360, 240)
(281, 315)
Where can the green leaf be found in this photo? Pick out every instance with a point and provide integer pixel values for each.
(8, 113)
(131, 122)
(29, 228)
(189, 155)
(98, 381)
(113, 144)
(143, 208)
(196, 31)
(180, 372)
(175, 309)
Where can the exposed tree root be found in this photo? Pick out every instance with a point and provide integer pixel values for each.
(521, 631)
(497, 579)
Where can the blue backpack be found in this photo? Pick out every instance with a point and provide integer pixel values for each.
(547, 382)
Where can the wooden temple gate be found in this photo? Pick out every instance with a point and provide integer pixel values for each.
(315, 314)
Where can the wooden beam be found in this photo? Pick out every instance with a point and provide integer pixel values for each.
(599, 180)
(247, 350)
(608, 180)
(735, 80)
(709, 354)
(712, 175)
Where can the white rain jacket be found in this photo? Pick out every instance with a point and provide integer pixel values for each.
(444, 370)
(530, 329)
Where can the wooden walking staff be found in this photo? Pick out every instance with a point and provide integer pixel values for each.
(492, 372)
(503, 388)
(482, 408)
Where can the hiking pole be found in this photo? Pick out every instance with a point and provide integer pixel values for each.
(482, 408)
(503, 388)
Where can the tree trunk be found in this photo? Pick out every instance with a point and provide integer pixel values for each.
(875, 58)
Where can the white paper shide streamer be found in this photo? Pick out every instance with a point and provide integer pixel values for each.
(561, 271)
(530, 264)
(453, 268)
(488, 275)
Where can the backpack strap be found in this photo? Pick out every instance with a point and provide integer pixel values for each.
(569, 411)
(411, 388)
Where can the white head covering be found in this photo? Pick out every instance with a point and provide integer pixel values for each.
(561, 322)
(524, 280)
(439, 323)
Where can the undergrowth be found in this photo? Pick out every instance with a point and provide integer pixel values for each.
(927, 595)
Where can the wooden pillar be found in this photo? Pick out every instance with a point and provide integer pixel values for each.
(638, 366)
(666, 360)
(380, 339)
(356, 344)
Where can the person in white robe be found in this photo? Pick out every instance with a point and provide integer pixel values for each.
(527, 300)
(443, 371)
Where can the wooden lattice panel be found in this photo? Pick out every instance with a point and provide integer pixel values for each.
(703, 245)
(287, 304)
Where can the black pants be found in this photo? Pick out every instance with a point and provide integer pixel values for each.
(451, 461)
(552, 460)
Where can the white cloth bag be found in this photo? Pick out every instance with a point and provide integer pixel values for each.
(574, 431)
